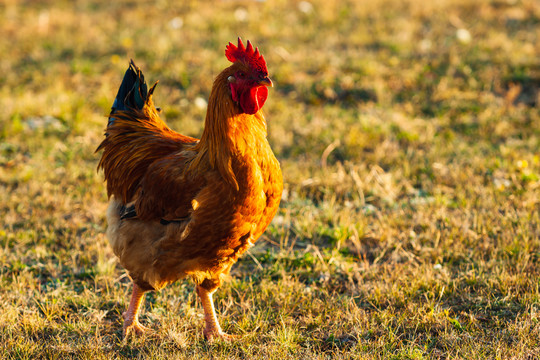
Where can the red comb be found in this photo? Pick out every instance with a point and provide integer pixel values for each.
(246, 54)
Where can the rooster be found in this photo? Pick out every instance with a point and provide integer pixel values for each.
(182, 207)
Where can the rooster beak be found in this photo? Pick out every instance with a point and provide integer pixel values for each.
(266, 82)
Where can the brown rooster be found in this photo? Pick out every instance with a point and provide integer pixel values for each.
(185, 207)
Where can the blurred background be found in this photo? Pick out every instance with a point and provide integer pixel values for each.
(408, 133)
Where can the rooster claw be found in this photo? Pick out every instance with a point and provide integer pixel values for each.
(133, 326)
(136, 328)
(212, 336)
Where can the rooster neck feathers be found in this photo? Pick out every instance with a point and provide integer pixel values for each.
(227, 132)
(229, 129)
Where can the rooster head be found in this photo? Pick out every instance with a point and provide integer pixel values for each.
(249, 82)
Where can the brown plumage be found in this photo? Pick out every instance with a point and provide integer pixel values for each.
(186, 207)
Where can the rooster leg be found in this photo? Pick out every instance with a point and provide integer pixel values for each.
(131, 316)
(212, 329)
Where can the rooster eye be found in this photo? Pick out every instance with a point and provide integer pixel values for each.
(241, 74)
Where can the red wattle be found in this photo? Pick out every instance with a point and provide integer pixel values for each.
(253, 99)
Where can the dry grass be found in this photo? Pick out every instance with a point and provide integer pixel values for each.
(409, 140)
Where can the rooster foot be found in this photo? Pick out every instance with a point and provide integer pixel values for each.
(213, 335)
(133, 326)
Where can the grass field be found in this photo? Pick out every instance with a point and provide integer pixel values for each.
(409, 137)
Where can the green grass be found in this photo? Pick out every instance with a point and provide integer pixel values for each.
(409, 227)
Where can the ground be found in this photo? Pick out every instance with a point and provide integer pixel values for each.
(408, 133)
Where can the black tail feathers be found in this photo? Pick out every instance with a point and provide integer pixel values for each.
(133, 92)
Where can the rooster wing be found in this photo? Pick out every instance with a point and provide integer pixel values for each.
(168, 188)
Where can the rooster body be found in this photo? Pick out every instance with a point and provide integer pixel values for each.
(185, 207)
